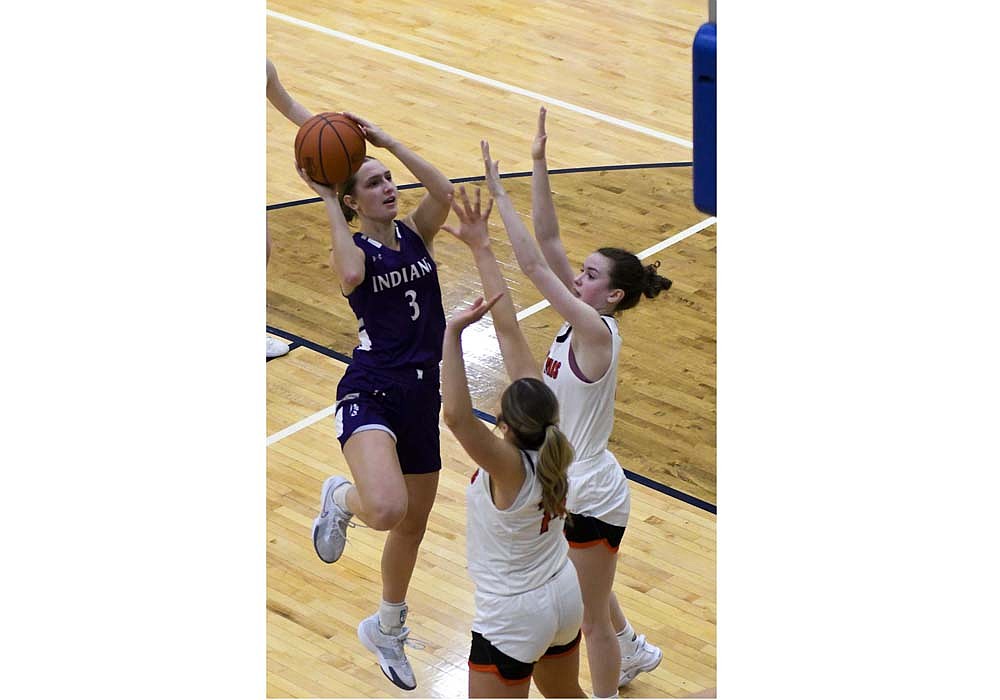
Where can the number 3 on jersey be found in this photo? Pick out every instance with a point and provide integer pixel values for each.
(412, 297)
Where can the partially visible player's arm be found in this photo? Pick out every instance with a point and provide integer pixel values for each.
(433, 209)
(346, 259)
(494, 454)
(514, 349)
(282, 101)
(543, 210)
(586, 321)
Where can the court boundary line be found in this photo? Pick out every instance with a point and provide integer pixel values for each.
(482, 79)
(520, 173)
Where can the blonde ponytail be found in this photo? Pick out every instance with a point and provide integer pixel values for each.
(531, 411)
(554, 457)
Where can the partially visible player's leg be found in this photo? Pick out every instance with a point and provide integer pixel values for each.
(487, 684)
(396, 476)
(595, 567)
(557, 674)
(385, 633)
(399, 555)
(638, 655)
(494, 674)
(379, 493)
(377, 496)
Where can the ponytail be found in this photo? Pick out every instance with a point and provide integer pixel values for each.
(531, 411)
(554, 458)
(652, 282)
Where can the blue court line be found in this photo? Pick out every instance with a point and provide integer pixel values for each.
(297, 341)
(663, 488)
(527, 173)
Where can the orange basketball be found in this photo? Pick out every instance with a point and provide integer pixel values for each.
(330, 148)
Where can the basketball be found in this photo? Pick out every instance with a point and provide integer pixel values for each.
(330, 148)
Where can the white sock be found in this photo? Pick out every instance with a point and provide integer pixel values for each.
(627, 639)
(610, 696)
(391, 617)
(340, 497)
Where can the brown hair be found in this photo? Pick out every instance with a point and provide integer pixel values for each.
(531, 411)
(347, 188)
(628, 274)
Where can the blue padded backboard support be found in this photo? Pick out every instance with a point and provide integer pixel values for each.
(704, 118)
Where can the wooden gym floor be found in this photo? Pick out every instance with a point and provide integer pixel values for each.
(623, 100)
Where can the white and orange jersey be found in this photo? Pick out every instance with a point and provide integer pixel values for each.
(597, 485)
(586, 407)
(517, 549)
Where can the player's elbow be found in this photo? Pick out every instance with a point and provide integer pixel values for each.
(452, 416)
(534, 267)
(350, 275)
(461, 421)
(352, 278)
(445, 192)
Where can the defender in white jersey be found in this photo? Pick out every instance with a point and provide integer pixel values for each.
(527, 595)
(598, 487)
(581, 369)
(528, 602)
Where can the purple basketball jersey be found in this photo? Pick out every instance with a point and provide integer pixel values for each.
(400, 316)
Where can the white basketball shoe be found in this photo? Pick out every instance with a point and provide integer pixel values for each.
(645, 658)
(388, 648)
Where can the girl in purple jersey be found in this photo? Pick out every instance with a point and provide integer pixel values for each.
(581, 370)
(389, 398)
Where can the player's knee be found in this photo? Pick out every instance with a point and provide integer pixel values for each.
(411, 528)
(385, 514)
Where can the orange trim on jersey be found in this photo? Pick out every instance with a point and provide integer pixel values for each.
(491, 668)
(587, 545)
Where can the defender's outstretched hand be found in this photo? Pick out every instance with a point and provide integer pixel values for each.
(473, 229)
(538, 145)
(492, 171)
(466, 317)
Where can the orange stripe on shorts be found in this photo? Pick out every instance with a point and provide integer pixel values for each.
(592, 543)
(491, 668)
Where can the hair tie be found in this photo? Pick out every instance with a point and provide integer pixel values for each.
(656, 264)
